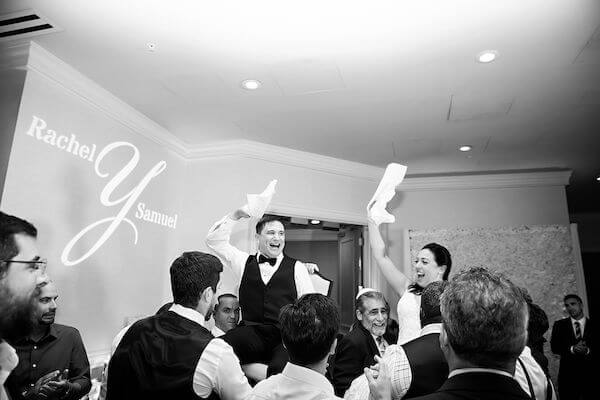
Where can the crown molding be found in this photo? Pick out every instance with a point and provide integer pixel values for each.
(283, 155)
(56, 70)
(509, 179)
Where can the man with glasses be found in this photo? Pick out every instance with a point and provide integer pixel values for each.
(22, 271)
(53, 361)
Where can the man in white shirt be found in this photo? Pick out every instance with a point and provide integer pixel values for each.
(308, 328)
(22, 272)
(171, 355)
(226, 315)
(267, 280)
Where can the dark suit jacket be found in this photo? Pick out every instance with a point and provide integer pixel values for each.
(353, 353)
(573, 367)
(478, 386)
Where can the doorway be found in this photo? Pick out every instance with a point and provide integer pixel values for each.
(337, 249)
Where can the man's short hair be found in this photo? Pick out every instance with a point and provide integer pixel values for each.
(224, 296)
(430, 302)
(191, 274)
(485, 317)
(265, 220)
(572, 296)
(308, 328)
(9, 227)
(359, 303)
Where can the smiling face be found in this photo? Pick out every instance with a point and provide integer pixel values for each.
(374, 317)
(271, 239)
(426, 268)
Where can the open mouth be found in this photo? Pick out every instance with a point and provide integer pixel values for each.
(420, 275)
(275, 246)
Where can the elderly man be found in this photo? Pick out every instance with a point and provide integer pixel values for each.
(357, 349)
(171, 355)
(267, 280)
(417, 367)
(51, 350)
(226, 314)
(21, 272)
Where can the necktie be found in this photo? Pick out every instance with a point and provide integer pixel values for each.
(263, 259)
(381, 344)
(577, 330)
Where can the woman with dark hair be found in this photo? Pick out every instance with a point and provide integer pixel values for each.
(433, 263)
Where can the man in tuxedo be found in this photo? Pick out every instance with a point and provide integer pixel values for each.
(483, 332)
(571, 340)
(268, 281)
(358, 348)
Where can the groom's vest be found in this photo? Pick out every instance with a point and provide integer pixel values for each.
(157, 358)
(261, 303)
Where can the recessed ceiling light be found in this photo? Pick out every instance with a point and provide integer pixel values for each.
(487, 56)
(315, 221)
(598, 178)
(151, 46)
(251, 84)
(465, 148)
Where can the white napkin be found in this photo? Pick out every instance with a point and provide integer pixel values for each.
(258, 203)
(394, 174)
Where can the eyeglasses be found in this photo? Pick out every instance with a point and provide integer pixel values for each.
(38, 265)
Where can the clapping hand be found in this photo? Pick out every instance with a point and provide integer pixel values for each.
(35, 392)
(581, 348)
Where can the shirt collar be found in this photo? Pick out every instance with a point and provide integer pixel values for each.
(51, 334)
(216, 331)
(459, 371)
(581, 321)
(431, 328)
(188, 313)
(308, 376)
(278, 258)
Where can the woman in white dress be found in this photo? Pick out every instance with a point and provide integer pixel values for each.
(433, 263)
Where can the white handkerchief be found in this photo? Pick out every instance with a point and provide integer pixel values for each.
(258, 203)
(394, 174)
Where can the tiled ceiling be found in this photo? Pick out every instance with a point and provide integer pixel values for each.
(369, 82)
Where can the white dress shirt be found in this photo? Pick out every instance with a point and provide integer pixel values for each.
(294, 383)
(536, 374)
(8, 362)
(400, 372)
(216, 331)
(218, 368)
(218, 240)
(581, 325)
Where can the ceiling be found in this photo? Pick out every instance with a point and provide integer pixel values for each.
(370, 82)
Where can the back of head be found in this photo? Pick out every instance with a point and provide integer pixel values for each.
(538, 324)
(191, 273)
(430, 302)
(10, 226)
(309, 327)
(485, 318)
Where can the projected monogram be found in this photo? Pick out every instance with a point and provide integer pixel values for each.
(38, 130)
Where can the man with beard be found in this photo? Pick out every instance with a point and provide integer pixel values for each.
(53, 362)
(358, 348)
(21, 271)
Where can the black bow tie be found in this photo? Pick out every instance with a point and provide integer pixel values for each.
(263, 259)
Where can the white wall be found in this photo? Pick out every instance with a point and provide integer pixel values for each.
(61, 194)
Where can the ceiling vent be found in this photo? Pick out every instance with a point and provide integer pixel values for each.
(24, 24)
